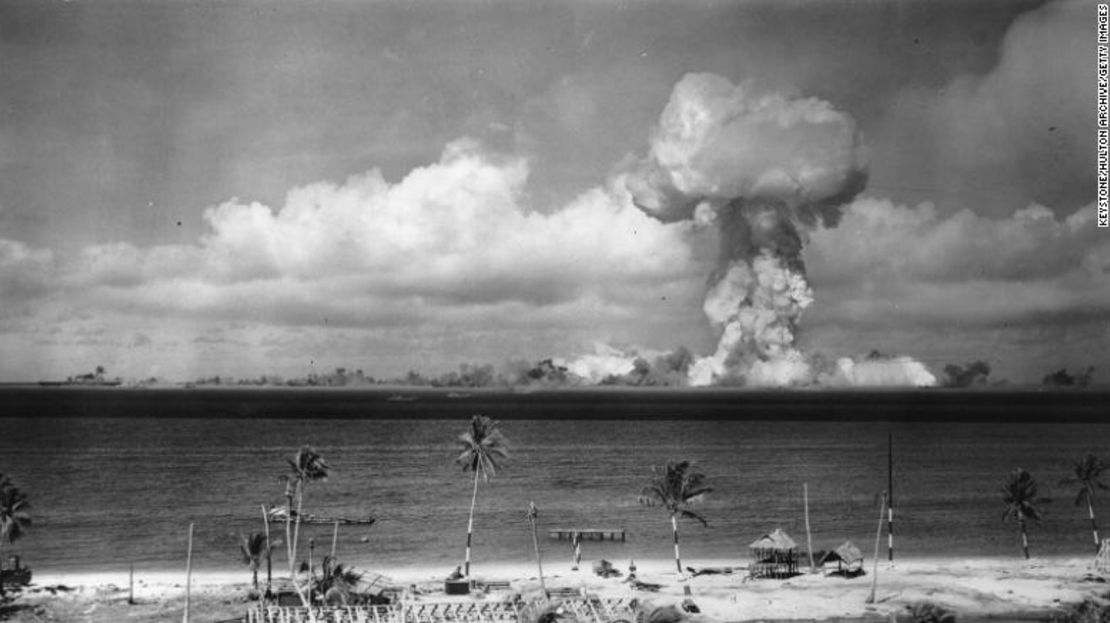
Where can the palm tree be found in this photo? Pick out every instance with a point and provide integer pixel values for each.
(482, 447)
(1019, 492)
(674, 487)
(13, 513)
(337, 583)
(253, 548)
(1087, 474)
(306, 466)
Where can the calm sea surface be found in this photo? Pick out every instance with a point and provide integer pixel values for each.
(115, 476)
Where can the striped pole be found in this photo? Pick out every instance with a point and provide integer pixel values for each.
(1094, 526)
(674, 528)
(470, 522)
(890, 496)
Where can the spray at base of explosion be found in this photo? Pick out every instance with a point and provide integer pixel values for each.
(764, 169)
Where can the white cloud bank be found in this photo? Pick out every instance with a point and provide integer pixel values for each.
(891, 264)
(452, 246)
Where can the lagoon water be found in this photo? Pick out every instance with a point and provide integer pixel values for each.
(115, 476)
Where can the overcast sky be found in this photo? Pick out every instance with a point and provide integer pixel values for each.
(241, 188)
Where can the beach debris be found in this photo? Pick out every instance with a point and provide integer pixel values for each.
(605, 569)
(647, 612)
(695, 572)
(929, 612)
(688, 604)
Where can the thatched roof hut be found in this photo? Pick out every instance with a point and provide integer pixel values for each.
(847, 555)
(777, 541)
(775, 556)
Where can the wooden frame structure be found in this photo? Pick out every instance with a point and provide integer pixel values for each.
(591, 609)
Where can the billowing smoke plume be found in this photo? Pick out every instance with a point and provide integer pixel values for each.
(764, 168)
(878, 372)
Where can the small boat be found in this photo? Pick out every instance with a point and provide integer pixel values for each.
(401, 398)
(278, 514)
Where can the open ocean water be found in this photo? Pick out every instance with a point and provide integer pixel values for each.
(115, 476)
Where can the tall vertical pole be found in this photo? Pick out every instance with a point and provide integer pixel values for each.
(188, 574)
(890, 496)
(269, 549)
(334, 538)
(131, 583)
(809, 536)
(875, 565)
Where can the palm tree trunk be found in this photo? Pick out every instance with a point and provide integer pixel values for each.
(674, 529)
(1024, 537)
(1, 567)
(296, 536)
(1094, 526)
(536, 545)
(290, 554)
(470, 523)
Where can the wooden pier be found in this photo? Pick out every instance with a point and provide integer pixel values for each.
(590, 534)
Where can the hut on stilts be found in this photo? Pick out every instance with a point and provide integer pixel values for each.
(848, 559)
(774, 555)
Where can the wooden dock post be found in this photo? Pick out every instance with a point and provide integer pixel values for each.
(809, 535)
(188, 574)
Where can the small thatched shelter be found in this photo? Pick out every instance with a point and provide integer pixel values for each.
(848, 559)
(774, 555)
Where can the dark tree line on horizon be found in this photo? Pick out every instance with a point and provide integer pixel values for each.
(666, 370)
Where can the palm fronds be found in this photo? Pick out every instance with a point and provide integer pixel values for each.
(14, 519)
(674, 486)
(482, 446)
(1019, 492)
(1088, 472)
(308, 466)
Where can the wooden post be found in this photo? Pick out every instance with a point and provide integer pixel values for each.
(269, 549)
(890, 496)
(188, 574)
(809, 536)
(131, 582)
(334, 538)
(311, 569)
(878, 537)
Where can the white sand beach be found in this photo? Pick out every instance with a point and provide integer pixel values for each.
(972, 588)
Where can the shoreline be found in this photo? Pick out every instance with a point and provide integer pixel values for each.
(973, 588)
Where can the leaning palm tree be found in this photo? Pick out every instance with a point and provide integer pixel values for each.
(674, 487)
(1087, 474)
(482, 446)
(1019, 492)
(305, 467)
(14, 519)
(252, 549)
